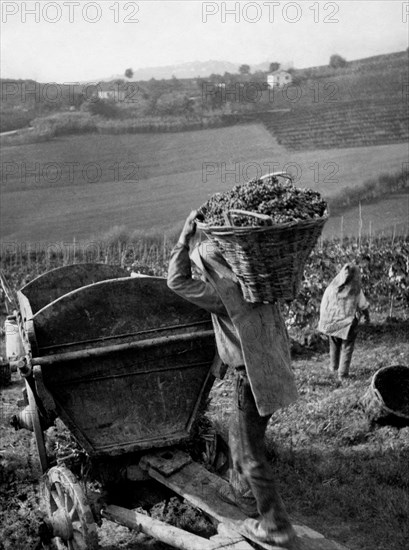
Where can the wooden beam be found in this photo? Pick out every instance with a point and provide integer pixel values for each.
(229, 540)
(201, 488)
(38, 431)
(178, 538)
(104, 350)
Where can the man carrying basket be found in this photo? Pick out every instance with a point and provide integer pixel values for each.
(251, 338)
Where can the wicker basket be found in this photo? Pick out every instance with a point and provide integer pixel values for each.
(267, 259)
(387, 399)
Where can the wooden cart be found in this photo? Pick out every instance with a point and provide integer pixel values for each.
(125, 364)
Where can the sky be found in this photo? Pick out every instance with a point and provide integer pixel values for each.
(82, 40)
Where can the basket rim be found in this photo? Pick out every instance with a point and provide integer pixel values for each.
(375, 390)
(228, 229)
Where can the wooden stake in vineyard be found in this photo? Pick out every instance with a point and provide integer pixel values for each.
(360, 227)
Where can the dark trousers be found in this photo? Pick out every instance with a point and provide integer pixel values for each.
(340, 351)
(251, 472)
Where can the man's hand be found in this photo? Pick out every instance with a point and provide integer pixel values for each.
(189, 229)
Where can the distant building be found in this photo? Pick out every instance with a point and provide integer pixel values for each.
(278, 79)
(114, 95)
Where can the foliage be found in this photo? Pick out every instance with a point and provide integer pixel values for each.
(64, 124)
(103, 107)
(361, 76)
(46, 128)
(272, 197)
(384, 265)
(162, 123)
(274, 66)
(39, 98)
(374, 188)
(337, 62)
(15, 119)
(384, 268)
(173, 104)
(244, 69)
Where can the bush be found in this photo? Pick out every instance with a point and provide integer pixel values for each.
(14, 120)
(103, 108)
(173, 104)
(337, 62)
(64, 124)
(374, 188)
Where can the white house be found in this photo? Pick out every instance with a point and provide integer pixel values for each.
(114, 95)
(278, 79)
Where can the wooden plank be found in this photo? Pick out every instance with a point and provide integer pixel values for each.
(26, 325)
(178, 538)
(200, 487)
(38, 432)
(112, 349)
(228, 539)
(167, 462)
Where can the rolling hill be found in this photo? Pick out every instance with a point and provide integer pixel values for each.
(78, 186)
(364, 103)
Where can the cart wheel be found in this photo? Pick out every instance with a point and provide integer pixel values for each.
(70, 518)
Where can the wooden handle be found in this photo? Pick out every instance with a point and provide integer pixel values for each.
(228, 216)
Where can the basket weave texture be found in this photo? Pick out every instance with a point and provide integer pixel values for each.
(388, 394)
(268, 260)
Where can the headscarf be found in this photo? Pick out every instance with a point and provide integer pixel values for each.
(340, 302)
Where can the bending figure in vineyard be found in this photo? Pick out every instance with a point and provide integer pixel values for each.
(342, 306)
(252, 339)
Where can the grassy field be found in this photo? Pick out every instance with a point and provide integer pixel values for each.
(387, 216)
(337, 474)
(80, 186)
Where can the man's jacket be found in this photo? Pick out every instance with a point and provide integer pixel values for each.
(247, 334)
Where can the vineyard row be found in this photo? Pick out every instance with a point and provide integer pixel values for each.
(384, 264)
(340, 125)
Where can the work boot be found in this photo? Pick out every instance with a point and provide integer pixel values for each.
(282, 536)
(246, 503)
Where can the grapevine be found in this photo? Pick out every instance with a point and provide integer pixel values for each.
(280, 200)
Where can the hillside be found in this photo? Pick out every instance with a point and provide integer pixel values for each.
(349, 125)
(79, 186)
(186, 70)
(363, 103)
(354, 123)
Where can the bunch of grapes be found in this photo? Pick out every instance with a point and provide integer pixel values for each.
(280, 200)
